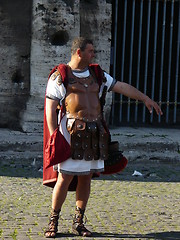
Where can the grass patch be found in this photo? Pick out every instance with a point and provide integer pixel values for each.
(14, 234)
(1, 232)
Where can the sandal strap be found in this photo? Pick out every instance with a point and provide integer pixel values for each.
(78, 224)
(53, 221)
(82, 230)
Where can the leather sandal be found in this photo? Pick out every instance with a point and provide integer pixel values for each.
(78, 227)
(53, 224)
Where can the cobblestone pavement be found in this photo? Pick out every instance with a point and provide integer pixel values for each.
(121, 206)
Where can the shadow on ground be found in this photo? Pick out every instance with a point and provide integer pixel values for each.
(172, 235)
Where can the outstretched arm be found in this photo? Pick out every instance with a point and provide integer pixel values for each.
(134, 93)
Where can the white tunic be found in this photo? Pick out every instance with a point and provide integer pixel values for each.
(58, 92)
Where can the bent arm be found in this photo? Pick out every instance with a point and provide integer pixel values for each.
(134, 93)
(51, 115)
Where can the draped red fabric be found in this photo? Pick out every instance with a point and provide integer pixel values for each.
(49, 175)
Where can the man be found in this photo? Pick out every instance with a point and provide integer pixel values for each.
(82, 127)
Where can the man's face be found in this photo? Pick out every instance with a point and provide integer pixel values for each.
(88, 54)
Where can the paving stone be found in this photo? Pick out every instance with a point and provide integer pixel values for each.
(117, 209)
(121, 206)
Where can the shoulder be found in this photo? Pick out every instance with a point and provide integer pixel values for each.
(58, 73)
(56, 76)
(63, 69)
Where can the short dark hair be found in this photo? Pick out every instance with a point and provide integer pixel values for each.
(80, 42)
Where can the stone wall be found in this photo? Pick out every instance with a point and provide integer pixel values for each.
(53, 26)
(15, 41)
(95, 22)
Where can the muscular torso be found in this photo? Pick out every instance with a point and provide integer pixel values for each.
(82, 100)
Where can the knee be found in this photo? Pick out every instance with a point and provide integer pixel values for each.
(64, 179)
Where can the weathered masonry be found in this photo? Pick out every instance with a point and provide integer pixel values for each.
(15, 44)
(35, 36)
(137, 41)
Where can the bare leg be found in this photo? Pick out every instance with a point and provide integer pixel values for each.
(58, 198)
(60, 190)
(82, 196)
(83, 190)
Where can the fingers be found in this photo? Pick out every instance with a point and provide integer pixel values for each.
(151, 104)
(157, 108)
(149, 108)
